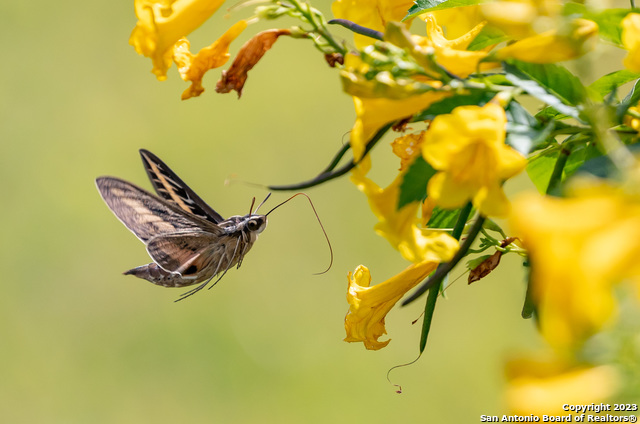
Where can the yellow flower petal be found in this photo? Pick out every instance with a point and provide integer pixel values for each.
(399, 227)
(374, 113)
(369, 305)
(446, 193)
(534, 386)
(192, 68)
(579, 248)
(162, 23)
(551, 46)
(631, 41)
(452, 54)
(629, 120)
(436, 35)
(457, 20)
(513, 17)
(492, 201)
(522, 18)
(467, 146)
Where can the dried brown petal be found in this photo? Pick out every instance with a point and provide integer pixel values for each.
(490, 263)
(250, 54)
(485, 267)
(333, 58)
(401, 125)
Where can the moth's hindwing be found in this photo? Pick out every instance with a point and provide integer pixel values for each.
(187, 254)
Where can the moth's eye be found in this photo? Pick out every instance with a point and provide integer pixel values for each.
(252, 225)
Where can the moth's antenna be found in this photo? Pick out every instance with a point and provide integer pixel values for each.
(253, 202)
(319, 222)
(262, 203)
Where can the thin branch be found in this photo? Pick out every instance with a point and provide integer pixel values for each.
(358, 29)
(327, 176)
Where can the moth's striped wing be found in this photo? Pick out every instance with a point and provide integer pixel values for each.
(171, 188)
(146, 215)
(184, 253)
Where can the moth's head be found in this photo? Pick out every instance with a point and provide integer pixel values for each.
(255, 223)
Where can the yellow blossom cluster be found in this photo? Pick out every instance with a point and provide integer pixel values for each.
(160, 35)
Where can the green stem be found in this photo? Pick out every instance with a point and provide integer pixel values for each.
(556, 175)
(326, 176)
(432, 298)
(568, 130)
(336, 158)
(319, 28)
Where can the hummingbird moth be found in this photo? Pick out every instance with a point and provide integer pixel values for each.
(189, 242)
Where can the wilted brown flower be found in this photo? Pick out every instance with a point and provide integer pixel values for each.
(248, 56)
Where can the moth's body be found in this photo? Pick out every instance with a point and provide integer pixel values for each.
(225, 252)
(189, 242)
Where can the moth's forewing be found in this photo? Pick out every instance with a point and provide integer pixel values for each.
(146, 215)
(171, 188)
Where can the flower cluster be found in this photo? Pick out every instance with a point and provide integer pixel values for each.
(454, 97)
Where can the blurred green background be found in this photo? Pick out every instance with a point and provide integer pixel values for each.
(82, 343)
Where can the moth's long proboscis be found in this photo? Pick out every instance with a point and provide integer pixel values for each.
(319, 222)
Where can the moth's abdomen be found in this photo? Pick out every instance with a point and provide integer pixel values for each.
(153, 273)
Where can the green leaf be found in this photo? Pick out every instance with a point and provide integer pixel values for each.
(526, 139)
(600, 165)
(524, 132)
(528, 308)
(610, 82)
(414, 184)
(630, 100)
(541, 168)
(424, 6)
(609, 23)
(491, 225)
(556, 79)
(443, 218)
(497, 78)
(585, 157)
(488, 36)
(550, 114)
(475, 97)
(519, 115)
(549, 83)
(579, 155)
